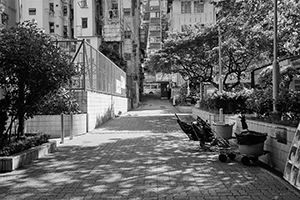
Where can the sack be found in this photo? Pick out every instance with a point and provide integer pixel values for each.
(250, 137)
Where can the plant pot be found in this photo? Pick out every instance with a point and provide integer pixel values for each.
(253, 150)
(223, 130)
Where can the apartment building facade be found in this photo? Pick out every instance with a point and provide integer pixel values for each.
(183, 13)
(55, 17)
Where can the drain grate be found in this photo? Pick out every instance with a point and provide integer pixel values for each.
(162, 107)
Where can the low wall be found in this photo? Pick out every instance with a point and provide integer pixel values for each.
(208, 116)
(278, 147)
(55, 124)
(99, 107)
(102, 107)
(185, 109)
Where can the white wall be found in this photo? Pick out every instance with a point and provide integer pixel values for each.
(43, 16)
(102, 107)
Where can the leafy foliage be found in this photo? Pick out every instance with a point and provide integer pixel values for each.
(24, 143)
(31, 66)
(61, 101)
(231, 102)
(246, 32)
(113, 56)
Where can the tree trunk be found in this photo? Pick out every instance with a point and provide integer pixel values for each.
(21, 110)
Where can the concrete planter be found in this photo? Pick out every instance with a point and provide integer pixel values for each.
(13, 162)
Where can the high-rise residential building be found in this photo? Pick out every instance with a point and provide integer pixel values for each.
(117, 24)
(88, 21)
(55, 17)
(183, 13)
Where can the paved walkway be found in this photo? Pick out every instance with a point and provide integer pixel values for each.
(140, 155)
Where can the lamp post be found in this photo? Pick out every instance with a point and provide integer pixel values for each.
(220, 62)
(275, 64)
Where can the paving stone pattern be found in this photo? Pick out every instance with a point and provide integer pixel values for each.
(139, 156)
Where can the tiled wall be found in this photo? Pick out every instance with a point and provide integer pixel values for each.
(100, 108)
(278, 150)
(207, 116)
(52, 124)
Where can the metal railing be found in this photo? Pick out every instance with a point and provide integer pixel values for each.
(95, 71)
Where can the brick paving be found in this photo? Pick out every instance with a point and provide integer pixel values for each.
(140, 155)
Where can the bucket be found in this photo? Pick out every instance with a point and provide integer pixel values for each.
(224, 130)
(254, 150)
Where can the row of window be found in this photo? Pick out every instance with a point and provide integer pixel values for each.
(32, 11)
(186, 7)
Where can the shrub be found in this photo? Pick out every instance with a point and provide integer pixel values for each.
(61, 101)
(19, 145)
(260, 102)
(231, 102)
(288, 104)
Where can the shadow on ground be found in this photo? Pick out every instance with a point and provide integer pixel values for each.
(151, 166)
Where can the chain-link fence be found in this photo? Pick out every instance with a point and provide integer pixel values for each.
(95, 71)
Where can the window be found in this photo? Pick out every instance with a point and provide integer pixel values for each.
(198, 7)
(127, 56)
(114, 12)
(51, 8)
(32, 11)
(65, 10)
(114, 5)
(155, 14)
(65, 31)
(126, 11)
(186, 7)
(4, 18)
(127, 34)
(84, 22)
(51, 27)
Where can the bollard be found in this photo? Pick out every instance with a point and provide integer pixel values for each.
(62, 129)
(221, 116)
(71, 126)
(87, 122)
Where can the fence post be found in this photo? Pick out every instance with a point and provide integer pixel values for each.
(62, 128)
(71, 126)
(87, 122)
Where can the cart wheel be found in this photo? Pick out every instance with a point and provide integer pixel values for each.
(231, 156)
(245, 160)
(222, 157)
(254, 159)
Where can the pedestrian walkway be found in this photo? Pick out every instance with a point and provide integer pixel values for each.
(141, 155)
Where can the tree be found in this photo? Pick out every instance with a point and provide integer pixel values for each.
(246, 30)
(31, 66)
(190, 53)
(113, 56)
